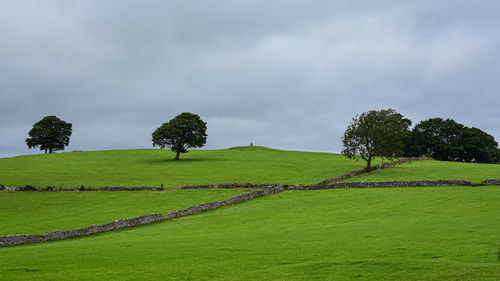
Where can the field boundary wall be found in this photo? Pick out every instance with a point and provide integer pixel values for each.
(377, 167)
(12, 240)
(264, 190)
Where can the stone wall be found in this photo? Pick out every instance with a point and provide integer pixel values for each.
(54, 189)
(233, 185)
(362, 171)
(12, 240)
(490, 182)
(367, 184)
(233, 200)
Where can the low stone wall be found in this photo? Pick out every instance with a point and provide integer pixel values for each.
(379, 184)
(362, 171)
(12, 240)
(217, 204)
(55, 189)
(233, 185)
(490, 182)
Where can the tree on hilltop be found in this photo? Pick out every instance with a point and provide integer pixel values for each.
(184, 131)
(438, 138)
(50, 133)
(479, 146)
(445, 139)
(382, 133)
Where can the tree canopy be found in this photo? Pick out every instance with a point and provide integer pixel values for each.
(437, 138)
(50, 133)
(447, 140)
(382, 133)
(184, 131)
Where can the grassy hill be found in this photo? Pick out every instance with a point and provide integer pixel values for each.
(152, 167)
(448, 233)
(433, 170)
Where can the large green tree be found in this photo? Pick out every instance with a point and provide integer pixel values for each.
(50, 134)
(445, 139)
(438, 138)
(184, 131)
(479, 146)
(381, 133)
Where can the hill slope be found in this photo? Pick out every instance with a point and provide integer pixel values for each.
(152, 167)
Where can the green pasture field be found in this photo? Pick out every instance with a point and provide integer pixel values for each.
(153, 167)
(41, 212)
(433, 170)
(444, 233)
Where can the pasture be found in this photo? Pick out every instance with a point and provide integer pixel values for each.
(427, 233)
(446, 233)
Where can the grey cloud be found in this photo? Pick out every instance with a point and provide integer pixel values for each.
(285, 74)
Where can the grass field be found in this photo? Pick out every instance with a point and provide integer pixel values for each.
(433, 170)
(37, 213)
(447, 233)
(152, 167)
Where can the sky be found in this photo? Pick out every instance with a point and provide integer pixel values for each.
(282, 74)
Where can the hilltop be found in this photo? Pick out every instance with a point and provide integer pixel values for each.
(153, 167)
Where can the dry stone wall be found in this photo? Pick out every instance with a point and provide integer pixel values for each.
(362, 171)
(491, 182)
(54, 189)
(379, 184)
(233, 185)
(12, 240)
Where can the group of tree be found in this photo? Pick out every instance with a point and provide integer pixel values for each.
(387, 134)
(184, 131)
(382, 133)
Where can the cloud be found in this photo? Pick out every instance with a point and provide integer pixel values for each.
(284, 74)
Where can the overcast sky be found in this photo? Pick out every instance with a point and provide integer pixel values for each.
(283, 74)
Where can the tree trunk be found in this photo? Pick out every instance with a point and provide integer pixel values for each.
(177, 155)
(46, 151)
(368, 163)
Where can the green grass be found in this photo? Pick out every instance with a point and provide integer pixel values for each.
(37, 213)
(152, 167)
(448, 233)
(433, 170)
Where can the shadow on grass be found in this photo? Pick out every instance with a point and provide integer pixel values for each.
(180, 161)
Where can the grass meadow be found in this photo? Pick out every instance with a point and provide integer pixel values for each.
(427, 233)
(445, 233)
(153, 167)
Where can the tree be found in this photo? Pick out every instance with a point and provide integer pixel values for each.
(479, 146)
(50, 133)
(374, 133)
(438, 138)
(184, 131)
